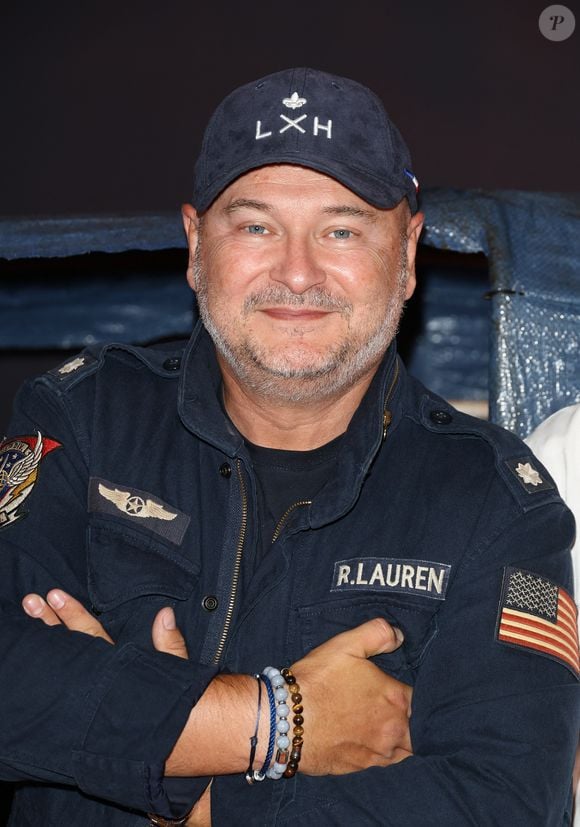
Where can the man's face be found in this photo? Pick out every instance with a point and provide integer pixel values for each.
(299, 281)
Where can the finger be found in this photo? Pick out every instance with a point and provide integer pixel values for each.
(200, 816)
(166, 636)
(398, 734)
(375, 637)
(74, 615)
(399, 755)
(36, 607)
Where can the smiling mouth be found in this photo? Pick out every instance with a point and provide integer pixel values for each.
(295, 314)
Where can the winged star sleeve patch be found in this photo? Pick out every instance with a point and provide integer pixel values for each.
(539, 616)
(139, 507)
(20, 459)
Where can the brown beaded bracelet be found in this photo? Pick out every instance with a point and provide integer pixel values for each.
(298, 720)
(159, 821)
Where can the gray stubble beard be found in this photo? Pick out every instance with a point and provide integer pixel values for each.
(344, 365)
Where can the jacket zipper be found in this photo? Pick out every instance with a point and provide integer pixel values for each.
(387, 415)
(285, 516)
(237, 566)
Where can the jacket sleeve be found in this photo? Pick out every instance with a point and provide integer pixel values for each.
(76, 710)
(493, 727)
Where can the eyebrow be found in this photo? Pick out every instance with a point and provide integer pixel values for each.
(354, 212)
(338, 209)
(247, 203)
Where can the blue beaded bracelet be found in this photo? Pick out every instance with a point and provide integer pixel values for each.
(276, 771)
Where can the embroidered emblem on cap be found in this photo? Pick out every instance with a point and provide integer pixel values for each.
(75, 364)
(294, 101)
(387, 574)
(540, 616)
(20, 458)
(138, 506)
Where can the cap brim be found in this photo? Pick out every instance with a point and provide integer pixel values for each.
(366, 186)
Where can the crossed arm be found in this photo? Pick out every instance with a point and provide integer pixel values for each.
(215, 738)
(491, 734)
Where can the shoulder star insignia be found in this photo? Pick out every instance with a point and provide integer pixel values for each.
(74, 365)
(135, 506)
(528, 474)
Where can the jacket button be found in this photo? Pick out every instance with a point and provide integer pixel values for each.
(210, 603)
(440, 417)
(226, 470)
(173, 363)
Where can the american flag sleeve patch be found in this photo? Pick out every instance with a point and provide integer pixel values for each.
(540, 616)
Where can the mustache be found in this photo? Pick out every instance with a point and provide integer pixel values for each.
(315, 298)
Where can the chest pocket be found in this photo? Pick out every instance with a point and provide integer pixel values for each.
(125, 563)
(322, 621)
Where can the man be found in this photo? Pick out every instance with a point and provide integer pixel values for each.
(280, 481)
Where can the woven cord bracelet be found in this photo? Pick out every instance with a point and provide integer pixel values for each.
(259, 775)
(250, 777)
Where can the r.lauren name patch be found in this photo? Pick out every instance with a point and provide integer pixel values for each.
(389, 574)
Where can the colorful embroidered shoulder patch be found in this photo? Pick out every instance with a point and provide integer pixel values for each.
(540, 616)
(20, 458)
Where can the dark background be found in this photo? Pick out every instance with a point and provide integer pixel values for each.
(103, 104)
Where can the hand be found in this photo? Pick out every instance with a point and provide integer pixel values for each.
(60, 608)
(356, 716)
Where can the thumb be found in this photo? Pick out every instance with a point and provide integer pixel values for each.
(375, 637)
(166, 636)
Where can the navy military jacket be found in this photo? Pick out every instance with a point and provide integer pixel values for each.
(123, 483)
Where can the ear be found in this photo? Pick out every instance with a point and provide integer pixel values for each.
(191, 226)
(414, 228)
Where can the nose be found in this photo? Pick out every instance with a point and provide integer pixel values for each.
(298, 266)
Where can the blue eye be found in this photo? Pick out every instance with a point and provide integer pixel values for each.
(256, 229)
(341, 234)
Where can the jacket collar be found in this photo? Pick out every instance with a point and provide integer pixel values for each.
(199, 401)
(201, 411)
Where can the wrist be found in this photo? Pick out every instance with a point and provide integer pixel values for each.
(216, 736)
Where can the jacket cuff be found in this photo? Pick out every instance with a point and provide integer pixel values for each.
(134, 716)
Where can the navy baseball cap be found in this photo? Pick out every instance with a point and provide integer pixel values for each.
(312, 119)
